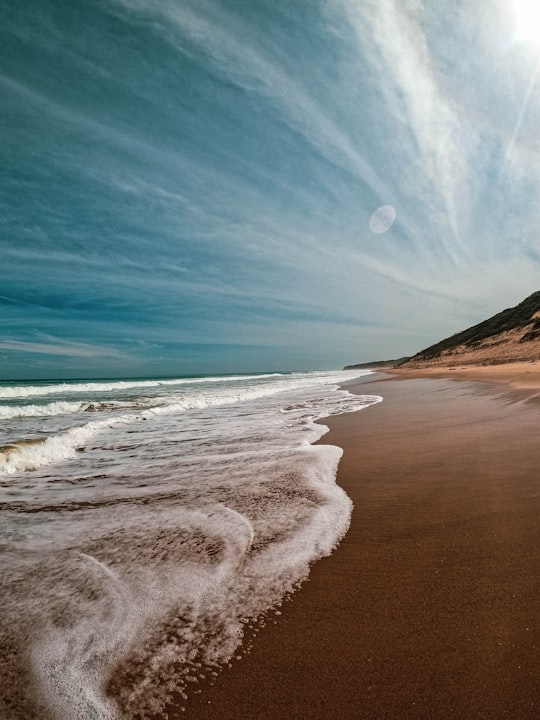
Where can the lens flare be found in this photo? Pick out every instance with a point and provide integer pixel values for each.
(382, 219)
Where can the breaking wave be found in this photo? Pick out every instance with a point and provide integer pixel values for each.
(21, 391)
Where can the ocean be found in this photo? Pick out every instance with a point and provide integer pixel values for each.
(146, 523)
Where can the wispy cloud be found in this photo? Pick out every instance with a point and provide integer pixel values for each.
(59, 347)
(203, 26)
(391, 36)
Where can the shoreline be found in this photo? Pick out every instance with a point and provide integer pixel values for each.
(429, 607)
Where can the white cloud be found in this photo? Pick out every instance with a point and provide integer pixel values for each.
(59, 347)
(248, 66)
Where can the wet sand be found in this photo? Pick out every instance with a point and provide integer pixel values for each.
(430, 607)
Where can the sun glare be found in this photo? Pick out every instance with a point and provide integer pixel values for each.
(527, 13)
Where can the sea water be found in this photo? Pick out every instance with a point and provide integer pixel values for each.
(145, 523)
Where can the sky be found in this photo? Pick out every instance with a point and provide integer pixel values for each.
(215, 186)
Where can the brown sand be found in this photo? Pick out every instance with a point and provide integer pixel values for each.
(518, 375)
(430, 607)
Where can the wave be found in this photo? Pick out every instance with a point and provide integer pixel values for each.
(23, 456)
(55, 408)
(22, 391)
(63, 407)
(31, 454)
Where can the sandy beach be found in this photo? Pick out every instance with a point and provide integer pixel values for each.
(430, 606)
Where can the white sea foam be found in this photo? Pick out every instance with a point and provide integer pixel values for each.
(30, 455)
(137, 564)
(21, 391)
(54, 408)
(20, 456)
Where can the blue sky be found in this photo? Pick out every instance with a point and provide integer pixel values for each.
(188, 186)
